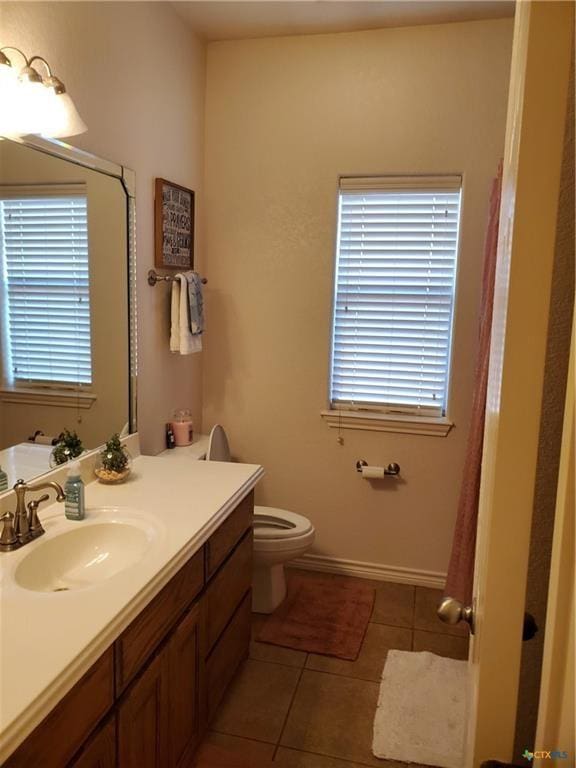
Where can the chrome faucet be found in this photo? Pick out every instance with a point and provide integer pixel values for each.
(23, 526)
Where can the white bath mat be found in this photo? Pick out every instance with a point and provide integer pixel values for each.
(421, 713)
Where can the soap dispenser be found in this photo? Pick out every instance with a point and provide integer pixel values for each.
(74, 491)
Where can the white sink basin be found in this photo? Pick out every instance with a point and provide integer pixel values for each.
(84, 556)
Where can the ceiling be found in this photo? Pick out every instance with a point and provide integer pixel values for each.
(233, 20)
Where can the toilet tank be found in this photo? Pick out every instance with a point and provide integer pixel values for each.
(218, 447)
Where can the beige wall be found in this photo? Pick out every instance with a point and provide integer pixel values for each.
(136, 73)
(284, 117)
(108, 248)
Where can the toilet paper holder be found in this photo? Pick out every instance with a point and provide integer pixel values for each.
(392, 468)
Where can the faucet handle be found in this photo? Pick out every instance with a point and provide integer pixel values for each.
(34, 523)
(8, 538)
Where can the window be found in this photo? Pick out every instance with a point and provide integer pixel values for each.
(394, 294)
(45, 284)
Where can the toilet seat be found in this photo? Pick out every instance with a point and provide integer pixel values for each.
(275, 524)
(280, 535)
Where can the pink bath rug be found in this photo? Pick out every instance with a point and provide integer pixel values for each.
(326, 615)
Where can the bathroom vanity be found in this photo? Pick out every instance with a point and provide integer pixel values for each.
(128, 671)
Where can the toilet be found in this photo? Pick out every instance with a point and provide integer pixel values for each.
(279, 536)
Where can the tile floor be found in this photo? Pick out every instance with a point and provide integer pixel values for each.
(303, 710)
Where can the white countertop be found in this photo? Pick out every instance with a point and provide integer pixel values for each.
(197, 450)
(48, 640)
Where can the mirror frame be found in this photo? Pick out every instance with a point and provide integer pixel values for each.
(127, 178)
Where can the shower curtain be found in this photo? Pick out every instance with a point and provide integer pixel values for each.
(460, 577)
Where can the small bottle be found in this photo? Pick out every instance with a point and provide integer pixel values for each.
(3, 480)
(74, 490)
(170, 441)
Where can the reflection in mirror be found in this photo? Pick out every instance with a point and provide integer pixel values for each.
(64, 322)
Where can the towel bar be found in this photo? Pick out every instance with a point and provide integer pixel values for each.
(154, 277)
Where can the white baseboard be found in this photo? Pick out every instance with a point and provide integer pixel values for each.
(375, 571)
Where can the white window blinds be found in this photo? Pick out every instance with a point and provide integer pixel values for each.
(394, 293)
(44, 250)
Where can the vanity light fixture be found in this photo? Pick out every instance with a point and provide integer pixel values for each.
(33, 104)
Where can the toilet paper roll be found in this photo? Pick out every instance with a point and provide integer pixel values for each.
(373, 473)
(44, 440)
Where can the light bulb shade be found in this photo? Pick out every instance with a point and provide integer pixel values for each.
(64, 118)
(8, 101)
(33, 107)
(30, 108)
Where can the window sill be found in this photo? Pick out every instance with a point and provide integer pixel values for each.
(61, 398)
(388, 422)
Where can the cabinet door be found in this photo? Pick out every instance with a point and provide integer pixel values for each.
(183, 669)
(227, 589)
(142, 720)
(225, 657)
(100, 752)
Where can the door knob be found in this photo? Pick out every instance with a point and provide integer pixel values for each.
(451, 611)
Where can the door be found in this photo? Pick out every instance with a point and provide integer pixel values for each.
(142, 724)
(183, 669)
(533, 153)
(160, 720)
(556, 716)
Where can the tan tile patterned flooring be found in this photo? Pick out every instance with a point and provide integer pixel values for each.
(304, 710)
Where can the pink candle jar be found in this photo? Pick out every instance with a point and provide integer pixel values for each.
(183, 428)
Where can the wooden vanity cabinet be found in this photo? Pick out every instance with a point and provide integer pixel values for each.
(147, 701)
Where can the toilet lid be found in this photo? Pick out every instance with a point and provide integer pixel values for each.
(272, 523)
(218, 448)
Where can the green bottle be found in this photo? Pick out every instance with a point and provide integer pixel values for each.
(74, 491)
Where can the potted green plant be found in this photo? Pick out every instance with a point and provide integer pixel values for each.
(114, 462)
(68, 447)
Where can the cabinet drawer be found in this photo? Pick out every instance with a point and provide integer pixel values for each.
(139, 641)
(227, 589)
(223, 541)
(63, 732)
(227, 655)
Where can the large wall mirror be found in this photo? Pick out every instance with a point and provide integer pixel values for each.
(67, 329)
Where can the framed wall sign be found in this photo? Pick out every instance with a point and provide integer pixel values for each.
(173, 226)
